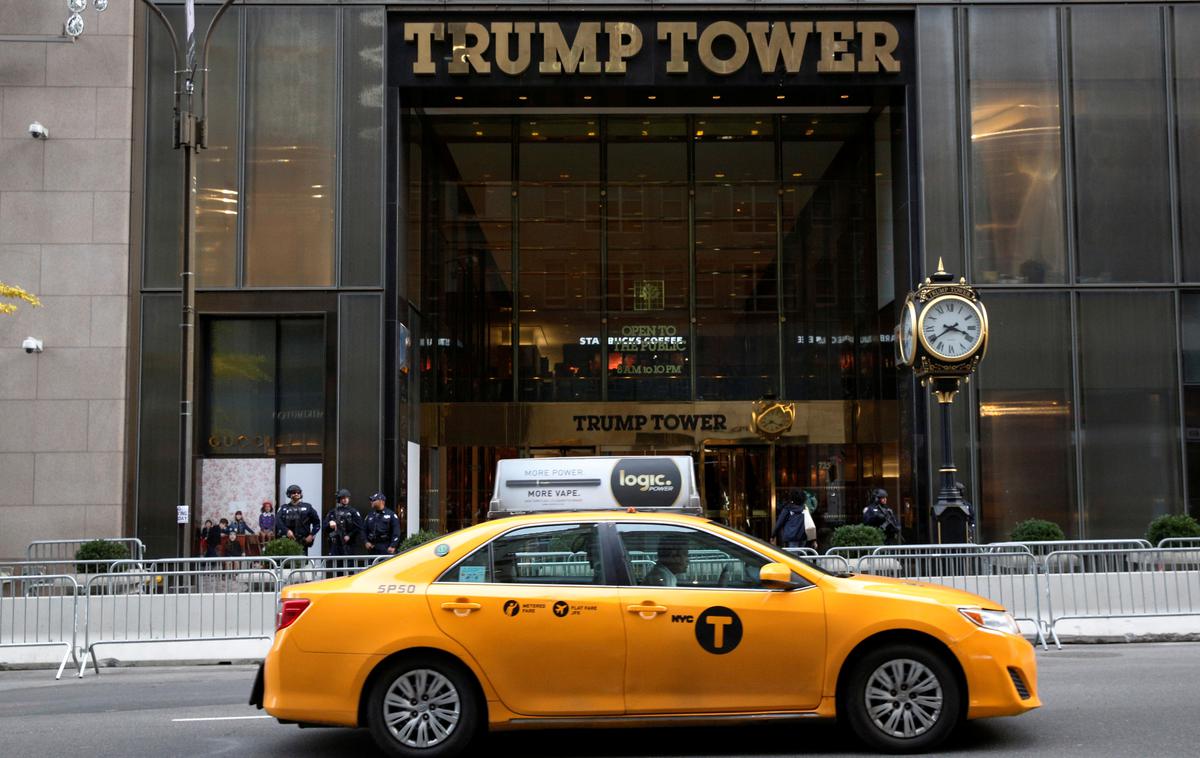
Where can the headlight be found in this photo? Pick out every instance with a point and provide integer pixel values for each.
(997, 621)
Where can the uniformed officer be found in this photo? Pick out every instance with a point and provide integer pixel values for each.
(343, 526)
(297, 520)
(382, 527)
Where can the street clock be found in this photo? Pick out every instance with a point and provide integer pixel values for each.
(943, 328)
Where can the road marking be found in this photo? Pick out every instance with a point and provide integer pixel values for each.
(224, 718)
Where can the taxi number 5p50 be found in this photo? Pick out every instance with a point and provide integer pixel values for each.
(398, 589)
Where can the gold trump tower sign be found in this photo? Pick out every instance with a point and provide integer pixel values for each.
(676, 47)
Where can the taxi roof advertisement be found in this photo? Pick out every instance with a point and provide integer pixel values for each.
(531, 485)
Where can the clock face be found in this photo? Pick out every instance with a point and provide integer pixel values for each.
(908, 333)
(952, 328)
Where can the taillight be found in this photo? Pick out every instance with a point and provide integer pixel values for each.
(291, 611)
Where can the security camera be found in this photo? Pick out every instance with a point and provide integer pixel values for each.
(37, 131)
(32, 345)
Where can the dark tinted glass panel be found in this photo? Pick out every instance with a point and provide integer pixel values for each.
(158, 423)
(831, 333)
(1016, 147)
(559, 237)
(941, 185)
(360, 345)
(1190, 303)
(164, 170)
(362, 147)
(737, 320)
(1026, 429)
(1187, 99)
(468, 292)
(649, 280)
(290, 139)
(1121, 167)
(301, 406)
(1130, 411)
(240, 386)
(217, 206)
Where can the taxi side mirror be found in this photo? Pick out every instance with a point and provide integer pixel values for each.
(777, 576)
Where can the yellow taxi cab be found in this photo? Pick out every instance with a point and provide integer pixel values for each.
(601, 618)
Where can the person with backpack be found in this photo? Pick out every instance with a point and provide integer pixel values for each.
(790, 524)
(879, 515)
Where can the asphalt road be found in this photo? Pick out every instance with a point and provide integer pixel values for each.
(1118, 700)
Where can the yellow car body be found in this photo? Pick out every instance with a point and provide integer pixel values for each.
(620, 653)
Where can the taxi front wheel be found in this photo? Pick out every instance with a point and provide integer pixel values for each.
(425, 708)
(902, 699)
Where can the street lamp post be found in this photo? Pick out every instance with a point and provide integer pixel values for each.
(189, 136)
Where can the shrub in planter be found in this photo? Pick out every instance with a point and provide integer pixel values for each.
(420, 538)
(1172, 526)
(99, 550)
(857, 535)
(1037, 530)
(282, 546)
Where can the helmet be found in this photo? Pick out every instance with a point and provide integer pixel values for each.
(879, 494)
(343, 492)
(293, 489)
(378, 496)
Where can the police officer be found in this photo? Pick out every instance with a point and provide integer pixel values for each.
(343, 526)
(382, 527)
(297, 520)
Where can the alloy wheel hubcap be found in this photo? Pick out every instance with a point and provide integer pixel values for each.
(903, 698)
(422, 708)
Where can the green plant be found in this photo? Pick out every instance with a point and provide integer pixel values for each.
(282, 546)
(857, 535)
(1037, 530)
(1172, 526)
(100, 550)
(420, 538)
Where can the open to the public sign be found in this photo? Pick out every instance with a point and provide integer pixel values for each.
(656, 482)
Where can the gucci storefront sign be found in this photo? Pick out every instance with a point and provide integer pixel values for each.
(676, 47)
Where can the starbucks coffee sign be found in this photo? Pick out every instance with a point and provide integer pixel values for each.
(645, 49)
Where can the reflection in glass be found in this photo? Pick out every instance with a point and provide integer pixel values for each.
(737, 320)
(559, 235)
(1121, 164)
(649, 336)
(240, 386)
(1026, 431)
(290, 135)
(216, 167)
(1016, 148)
(470, 302)
(1130, 410)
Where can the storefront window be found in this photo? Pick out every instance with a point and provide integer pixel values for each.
(1121, 162)
(649, 282)
(1016, 148)
(737, 312)
(559, 248)
(1026, 428)
(290, 136)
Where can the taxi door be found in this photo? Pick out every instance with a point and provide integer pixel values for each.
(704, 636)
(534, 607)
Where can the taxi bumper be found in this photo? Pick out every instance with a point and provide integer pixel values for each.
(1001, 674)
(313, 688)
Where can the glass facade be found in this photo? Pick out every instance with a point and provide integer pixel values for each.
(542, 274)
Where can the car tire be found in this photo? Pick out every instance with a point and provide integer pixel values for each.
(423, 708)
(881, 709)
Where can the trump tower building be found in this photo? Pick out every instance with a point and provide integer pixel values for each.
(433, 236)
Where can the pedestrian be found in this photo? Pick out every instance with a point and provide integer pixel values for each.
(204, 536)
(879, 515)
(382, 528)
(343, 525)
(239, 531)
(297, 520)
(790, 523)
(266, 519)
(216, 534)
(970, 510)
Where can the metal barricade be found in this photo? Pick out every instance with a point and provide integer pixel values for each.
(40, 611)
(835, 564)
(1041, 550)
(296, 569)
(1180, 542)
(181, 611)
(1106, 584)
(63, 550)
(851, 553)
(800, 551)
(1010, 579)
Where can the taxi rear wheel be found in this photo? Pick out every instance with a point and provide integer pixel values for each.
(902, 699)
(425, 708)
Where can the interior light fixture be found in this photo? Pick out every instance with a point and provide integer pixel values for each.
(651, 97)
(458, 97)
(780, 97)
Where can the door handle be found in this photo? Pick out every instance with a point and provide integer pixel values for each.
(646, 610)
(461, 608)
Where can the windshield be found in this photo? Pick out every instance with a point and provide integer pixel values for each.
(776, 552)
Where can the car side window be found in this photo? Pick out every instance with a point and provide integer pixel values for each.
(674, 556)
(551, 554)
